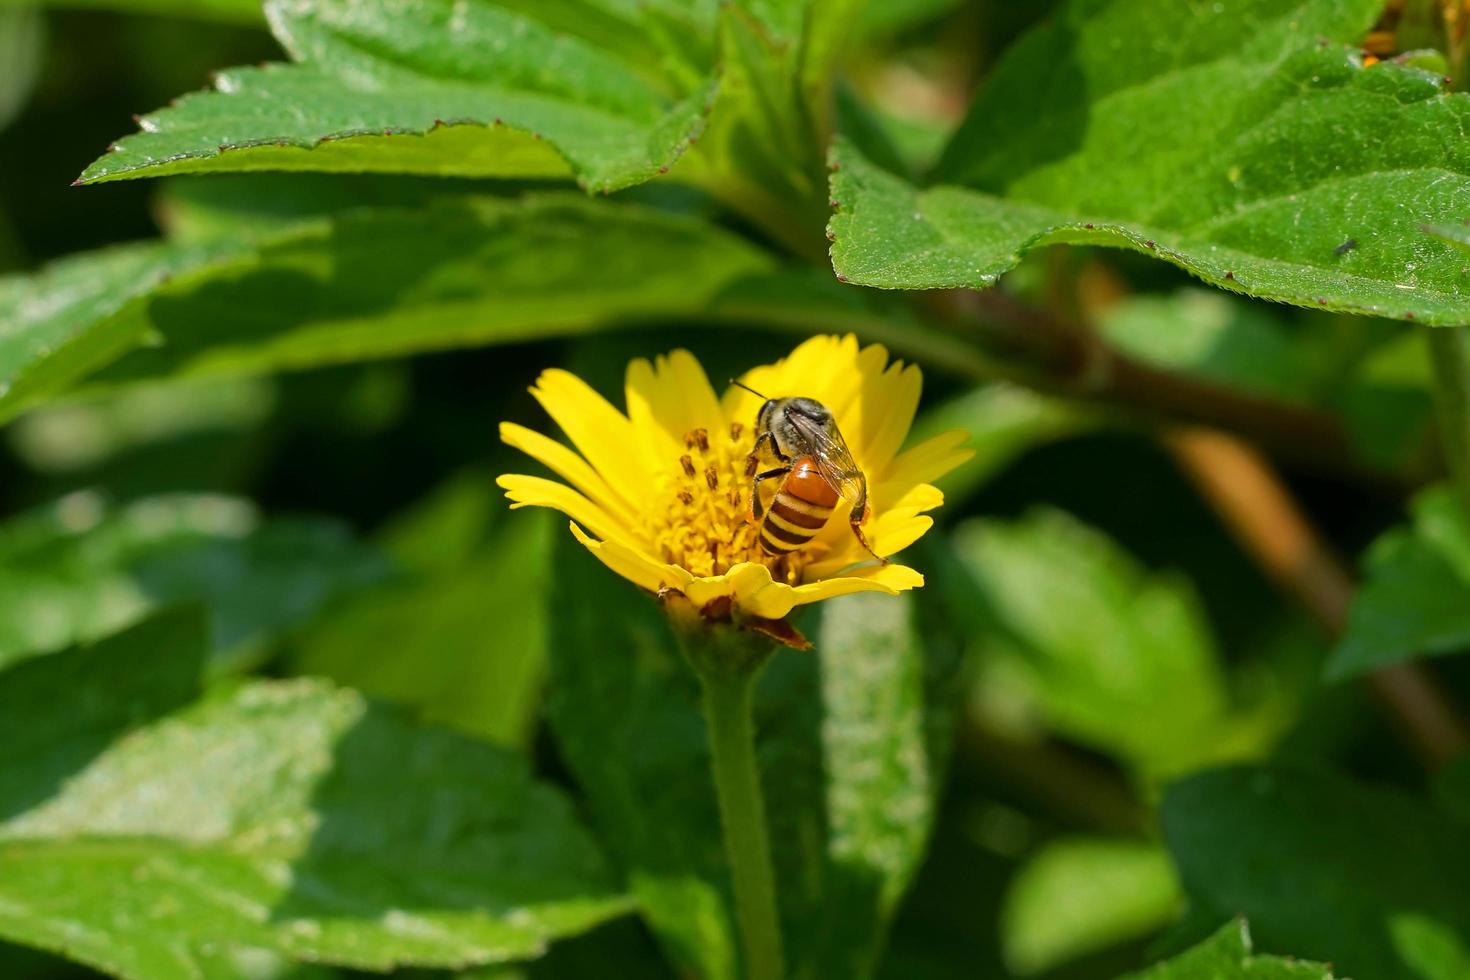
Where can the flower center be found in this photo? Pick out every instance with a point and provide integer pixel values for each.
(705, 525)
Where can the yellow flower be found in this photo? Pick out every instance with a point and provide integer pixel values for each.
(661, 495)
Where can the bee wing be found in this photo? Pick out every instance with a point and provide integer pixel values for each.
(834, 460)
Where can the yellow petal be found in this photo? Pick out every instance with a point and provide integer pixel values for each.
(570, 467)
(891, 579)
(897, 535)
(600, 432)
(666, 400)
(873, 401)
(822, 367)
(533, 491)
(757, 594)
(924, 463)
(888, 532)
(890, 397)
(887, 539)
(637, 567)
(749, 583)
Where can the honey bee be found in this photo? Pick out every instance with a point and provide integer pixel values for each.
(816, 470)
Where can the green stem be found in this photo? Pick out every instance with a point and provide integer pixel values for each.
(1449, 353)
(728, 673)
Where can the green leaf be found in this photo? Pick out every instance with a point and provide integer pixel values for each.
(1227, 956)
(1371, 373)
(1131, 669)
(1243, 141)
(82, 313)
(1415, 598)
(80, 569)
(1222, 338)
(62, 711)
(82, 434)
(462, 272)
(851, 745)
(1363, 877)
(290, 817)
(22, 43)
(882, 17)
(463, 639)
(1080, 895)
(227, 11)
(1004, 422)
(482, 89)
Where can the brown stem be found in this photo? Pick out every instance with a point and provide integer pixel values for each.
(1259, 510)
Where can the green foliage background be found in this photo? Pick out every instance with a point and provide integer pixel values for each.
(287, 694)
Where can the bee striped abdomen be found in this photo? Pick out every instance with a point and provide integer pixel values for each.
(799, 510)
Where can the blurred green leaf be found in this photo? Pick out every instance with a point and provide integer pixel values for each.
(1228, 139)
(1221, 338)
(286, 816)
(1227, 956)
(463, 638)
(606, 92)
(80, 569)
(228, 11)
(1415, 598)
(464, 272)
(83, 312)
(1131, 669)
(1078, 895)
(761, 152)
(881, 17)
(1363, 877)
(459, 272)
(22, 43)
(62, 711)
(1371, 373)
(851, 742)
(199, 208)
(1004, 422)
(81, 434)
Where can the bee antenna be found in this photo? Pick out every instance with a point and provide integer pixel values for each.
(742, 384)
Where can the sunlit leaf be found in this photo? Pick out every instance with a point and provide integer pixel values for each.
(1244, 141)
(483, 89)
(286, 816)
(464, 272)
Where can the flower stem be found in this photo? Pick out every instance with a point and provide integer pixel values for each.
(727, 672)
(1449, 354)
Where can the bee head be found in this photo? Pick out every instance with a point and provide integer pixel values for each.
(767, 414)
(810, 408)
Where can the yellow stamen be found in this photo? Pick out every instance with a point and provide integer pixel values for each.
(705, 529)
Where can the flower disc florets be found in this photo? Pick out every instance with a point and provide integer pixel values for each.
(661, 495)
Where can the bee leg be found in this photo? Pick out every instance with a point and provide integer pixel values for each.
(763, 439)
(856, 523)
(857, 531)
(756, 507)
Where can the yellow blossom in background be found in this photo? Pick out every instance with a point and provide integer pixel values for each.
(661, 494)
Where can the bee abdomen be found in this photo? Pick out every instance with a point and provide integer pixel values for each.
(800, 509)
